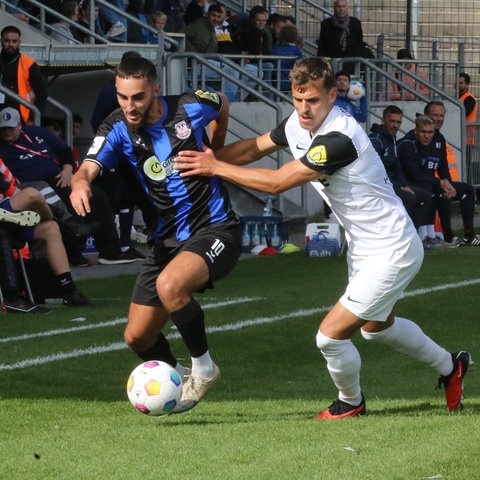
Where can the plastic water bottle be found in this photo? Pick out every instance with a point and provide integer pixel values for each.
(275, 236)
(255, 236)
(246, 236)
(267, 210)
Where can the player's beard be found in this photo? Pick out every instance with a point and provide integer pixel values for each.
(142, 117)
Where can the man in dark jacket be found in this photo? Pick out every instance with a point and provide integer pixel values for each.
(383, 138)
(342, 36)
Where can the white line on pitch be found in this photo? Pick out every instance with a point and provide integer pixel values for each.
(117, 321)
(228, 327)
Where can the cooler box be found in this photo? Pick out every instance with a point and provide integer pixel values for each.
(323, 239)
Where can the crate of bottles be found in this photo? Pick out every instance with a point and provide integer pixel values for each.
(267, 230)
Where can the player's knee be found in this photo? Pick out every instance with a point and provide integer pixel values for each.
(134, 342)
(171, 294)
(324, 343)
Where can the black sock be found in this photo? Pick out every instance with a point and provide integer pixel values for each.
(447, 234)
(468, 232)
(191, 324)
(160, 350)
(65, 281)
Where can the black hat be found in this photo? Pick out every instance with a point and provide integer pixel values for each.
(404, 53)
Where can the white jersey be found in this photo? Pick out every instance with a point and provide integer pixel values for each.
(356, 187)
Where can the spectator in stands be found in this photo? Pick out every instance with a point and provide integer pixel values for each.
(290, 20)
(384, 139)
(359, 110)
(34, 153)
(396, 90)
(196, 9)
(174, 9)
(275, 23)
(200, 37)
(226, 46)
(48, 231)
(116, 24)
(287, 47)
(84, 21)
(419, 169)
(20, 73)
(62, 31)
(158, 20)
(464, 192)
(342, 36)
(253, 39)
(135, 32)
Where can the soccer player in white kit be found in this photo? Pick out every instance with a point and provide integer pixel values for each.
(332, 151)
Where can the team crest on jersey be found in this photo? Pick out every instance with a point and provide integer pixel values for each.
(317, 154)
(182, 130)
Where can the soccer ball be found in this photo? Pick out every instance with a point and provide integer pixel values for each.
(356, 90)
(154, 388)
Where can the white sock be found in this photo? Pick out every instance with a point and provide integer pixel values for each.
(343, 364)
(406, 337)
(431, 231)
(422, 232)
(203, 366)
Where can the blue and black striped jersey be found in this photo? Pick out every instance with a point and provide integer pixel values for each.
(175, 208)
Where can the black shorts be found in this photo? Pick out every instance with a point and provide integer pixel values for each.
(220, 247)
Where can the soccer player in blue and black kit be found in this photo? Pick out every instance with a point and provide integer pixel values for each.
(194, 233)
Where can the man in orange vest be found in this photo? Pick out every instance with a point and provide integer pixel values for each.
(20, 73)
(467, 98)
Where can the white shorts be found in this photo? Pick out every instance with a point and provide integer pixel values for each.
(376, 282)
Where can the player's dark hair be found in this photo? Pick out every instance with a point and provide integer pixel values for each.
(309, 69)
(392, 110)
(465, 76)
(137, 67)
(11, 29)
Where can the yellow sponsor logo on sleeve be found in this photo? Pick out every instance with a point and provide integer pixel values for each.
(317, 154)
(213, 97)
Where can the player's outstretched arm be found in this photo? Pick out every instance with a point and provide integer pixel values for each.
(81, 191)
(247, 151)
(290, 175)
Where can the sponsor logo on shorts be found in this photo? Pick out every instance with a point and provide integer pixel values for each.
(215, 250)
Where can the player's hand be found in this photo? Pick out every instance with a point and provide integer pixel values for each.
(191, 162)
(80, 198)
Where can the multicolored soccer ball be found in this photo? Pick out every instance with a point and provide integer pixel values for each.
(356, 90)
(154, 388)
